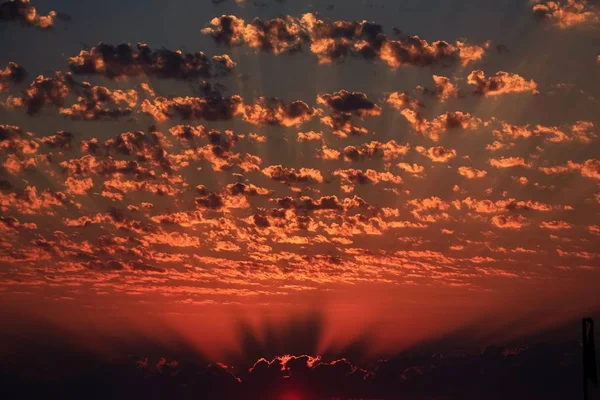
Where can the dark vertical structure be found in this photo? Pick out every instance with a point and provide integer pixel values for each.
(589, 355)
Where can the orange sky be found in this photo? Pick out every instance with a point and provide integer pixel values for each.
(404, 188)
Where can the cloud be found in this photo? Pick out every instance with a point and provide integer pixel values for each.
(290, 175)
(401, 101)
(387, 151)
(309, 136)
(13, 73)
(44, 91)
(344, 106)
(589, 168)
(555, 225)
(471, 173)
(509, 221)
(78, 186)
(345, 102)
(501, 83)
(451, 120)
(274, 111)
(31, 202)
(21, 10)
(122, 61)
(336, 40)
(418, 52)
(351, 177)
(421, 208)
(14, 140)
(509, 162)
(209, 108)
(414, 169)
(60, 140)
(324, 203)
(510, 204)
(8, 224)
(551, 134)
(444, 88)
(327, 153)
(93, 103)
(437, 153)
(566, 14)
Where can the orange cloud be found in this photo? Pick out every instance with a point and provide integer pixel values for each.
(273, 111)
(437, 153)
(44, 91)
(366, 40)
(555, 225)
(444, 88)
(308, 136)
(509, 162)
(290, 175)
(414, 169)
(401, 101)
(209, 108)
(441, 124)
(589, 168)
(387, 151)
(13, 73)
(501, 83)
(471, 173)
(567, 14)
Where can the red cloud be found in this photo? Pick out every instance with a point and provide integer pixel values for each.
(509, 221)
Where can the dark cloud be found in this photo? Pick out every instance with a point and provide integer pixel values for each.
(387, 151)
(23, 11)
(291, 175)
(96, 102)
(44, 91)
(16, 141)
(335, 40)
(355, 103)
(123, 60)
(305, 203)
(344, 106)
(501, 83)
(60, 140)
(497, 372)
(567, 13)
(210, 200)
(145, 147)
(13, 73)
(209, 108)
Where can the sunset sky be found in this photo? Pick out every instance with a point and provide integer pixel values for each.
(394, 172)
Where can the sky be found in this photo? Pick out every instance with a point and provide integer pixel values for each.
(239, 180)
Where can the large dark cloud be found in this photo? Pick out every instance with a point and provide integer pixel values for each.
(567, 13)
(209, 108)
(23, 11)
(124, 60)
(345, 105)
(335, 40)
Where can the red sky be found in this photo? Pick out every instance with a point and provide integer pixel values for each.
(404, 188)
